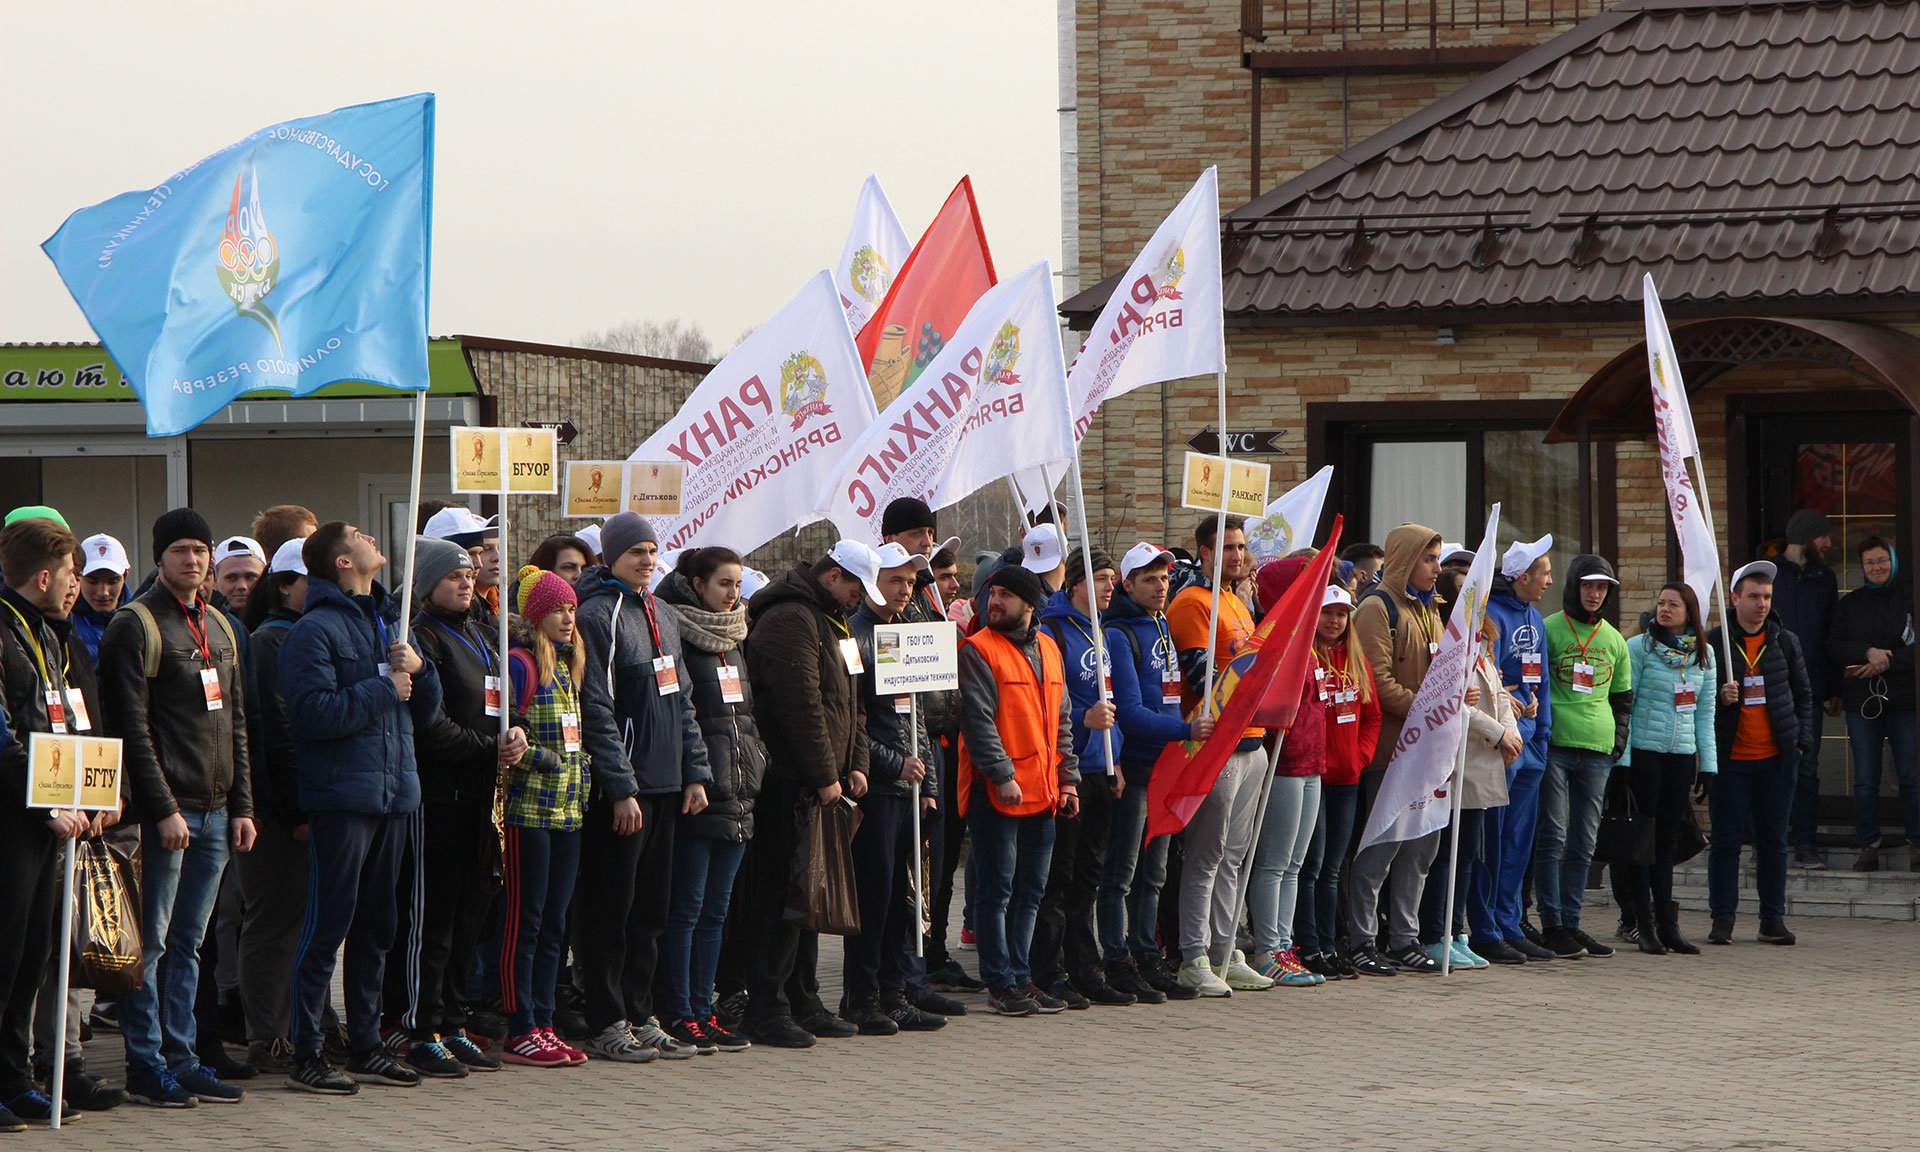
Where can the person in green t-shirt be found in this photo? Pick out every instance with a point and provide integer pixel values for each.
(1592, 694)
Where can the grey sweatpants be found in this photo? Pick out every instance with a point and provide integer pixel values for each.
(1213, 877)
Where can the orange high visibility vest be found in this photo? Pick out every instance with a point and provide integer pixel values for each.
(1028, 720)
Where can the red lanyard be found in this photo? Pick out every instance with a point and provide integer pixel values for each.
(646, 605)
(198, 631)
(1588, 640)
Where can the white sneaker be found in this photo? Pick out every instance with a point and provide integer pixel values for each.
(1242, 978)
(616, 1042)
(1198, 975)
(648, 1034)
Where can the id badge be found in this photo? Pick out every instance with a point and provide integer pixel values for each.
(665, 676)
(1582, 678)
(729, 678)
(1170, 691)
(1685, 698)
(1345, 712)
(1753, 690)
(210, 687)
(850, 656)
(570, 731)
(903, 704)
(493, 695)
(1433, 647)
(81, 721)
(1529, 667)
(383, 669)
(56, 712)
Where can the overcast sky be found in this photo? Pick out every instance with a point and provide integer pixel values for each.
(597, 162)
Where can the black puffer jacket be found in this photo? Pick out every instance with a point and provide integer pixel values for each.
(458, 752)
(888, 740)
(812, 719)
(1875, 618)
(24, 695)
(734, 750)
(1789, 694)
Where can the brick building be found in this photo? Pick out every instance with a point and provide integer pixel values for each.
(1437, 219)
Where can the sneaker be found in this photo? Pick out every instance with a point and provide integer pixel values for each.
(157, 1088)
(1285, 968)
(1046, 1003)
(1198, 975)
(1868, 860)
(432, 1058)
(1160, 977)
(827, 1026)
(1317, 964)
(1010, 1001)
(908, 1016)
(104, 1015)
(950, 977)
(1412, 959)
(1499, 952)
(1464, 956)
(379, 1067)
(1342, 964)
(314, 1074)
(1367, 961)
(940, 1005)
(1240, 976)
(1773, 933)
(693, 1032)
(967, 941)
(732, 1010)
(1292, 958)
(1809, 859)
(649, 1034)
(1434, 952)
(396, 1040)
(86, 1092)
(1532, 933)
(206, 1087)
(724, 1038)
(1124, 976)
(534, 1050)
(1562, 943)
(486, 1027)
(1627, 932)
(780, 1032)
(1066, 993)
(274, 1055)
(575, 1056)
(471, 1054)
(1721, 933)
(34, 1108)
(333, 1042)
(9, 1122)
(570, 1022)
(616, 1042)
(1594, 948)
(1529, 950)
(1093, 985)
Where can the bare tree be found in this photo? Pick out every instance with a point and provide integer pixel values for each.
(676, 339)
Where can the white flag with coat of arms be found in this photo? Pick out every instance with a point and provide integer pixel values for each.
(1290, 520)
(1416, 794)
(876, 248)
(766, 427)
(1673, 420)
(994, 398)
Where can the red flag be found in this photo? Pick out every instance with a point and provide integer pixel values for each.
(947, 271)
(1281, 650)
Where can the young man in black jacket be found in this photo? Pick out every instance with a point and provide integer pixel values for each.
(1804, 593)
(1764, 721)
(173, 688)
(1871, 647)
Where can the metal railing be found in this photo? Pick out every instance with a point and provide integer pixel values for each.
(1262, 18)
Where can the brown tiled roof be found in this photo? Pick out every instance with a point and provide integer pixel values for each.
(1747, 154)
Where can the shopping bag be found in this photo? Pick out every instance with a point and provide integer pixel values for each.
(824, 894)
(1688, 840)
(106, 919)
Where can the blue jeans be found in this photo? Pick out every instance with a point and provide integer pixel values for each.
(538, 873)
(1506, 846)
(703, 871)
(1316, 922)
(1750, 795)
(1865, 736)
(1127, 906)
(1014, 853)
(1571, 796)
(1273, 890)
(178, 890)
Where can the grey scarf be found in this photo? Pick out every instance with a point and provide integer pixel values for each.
(713, 631)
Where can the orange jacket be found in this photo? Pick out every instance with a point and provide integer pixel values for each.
(1027, 719)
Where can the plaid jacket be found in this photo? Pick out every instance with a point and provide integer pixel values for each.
(548, 787)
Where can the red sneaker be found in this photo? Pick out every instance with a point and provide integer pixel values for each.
(532, 1050)
(573, 1055)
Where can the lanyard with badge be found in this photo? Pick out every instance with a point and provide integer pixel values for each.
(485, 655)
(1429, 627)
(666, 677)
(1170, 685)
(1343, 692)
(729, 676)
(209, 676)
(1582, 668)
(1530, 666)
(58, 694)
(1753, 686)
(849, 649)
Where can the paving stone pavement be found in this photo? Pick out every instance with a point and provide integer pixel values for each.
(1748, 1047)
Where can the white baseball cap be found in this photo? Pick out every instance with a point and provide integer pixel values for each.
(1142, 555)
(1040, 550)
(1762, 568)
(591, 534)
(863, 562)
(1521, 556)
(238, 546)
(751, 581)
(289, 557)
(1604, 578)
(455, 520)
(950, 544)
(104, 554)
(892, 555)
(1336, 595)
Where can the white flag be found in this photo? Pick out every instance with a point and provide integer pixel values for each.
(1416, 792)
(766, 427)
(1290, 521)
(993, 400)
(1163, 321)
(1673, 419)
(875, 249)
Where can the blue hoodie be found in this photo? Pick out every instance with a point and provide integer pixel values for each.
(1071, 629)
(1143, 659)
(1523, 631)
(89, 624)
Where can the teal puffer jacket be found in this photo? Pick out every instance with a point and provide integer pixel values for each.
(1655, 726)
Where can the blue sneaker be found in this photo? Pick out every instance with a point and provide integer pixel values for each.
(33, 1107)
(1437, 954)
(1464, 956)
(157, 1088)
(207, 1088)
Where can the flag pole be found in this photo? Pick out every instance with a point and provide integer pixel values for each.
(1219, 534)
(913, 806)
(64, 946)
(1093, 598)
(498, 809)
(1453, 799)
(1719, 572)
(1259, 822)
(413, 509)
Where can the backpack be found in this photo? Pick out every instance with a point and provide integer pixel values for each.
(1387, 602)
(150, 634)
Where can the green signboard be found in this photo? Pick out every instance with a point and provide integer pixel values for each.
(86, 372)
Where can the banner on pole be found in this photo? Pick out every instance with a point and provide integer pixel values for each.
(876, 248)
(941, 279)
(592, 488)
(73, 772)
(293, 259)
(1207, 485)
(1673, 420)
(994, 399)
(1416, 792)
(478, 455)
(915, 658)
(653, 487)
(1289, 521)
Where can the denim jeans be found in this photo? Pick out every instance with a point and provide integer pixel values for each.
(177, 893)
(1273, 890)
(1127, 906)
(1865, 736)
(1014, 853)
(1571, 797)
(1750, 794)
(703, 872)
(1316, 922)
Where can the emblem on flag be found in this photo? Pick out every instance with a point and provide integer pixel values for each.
(1002, 354)
(869, 274)
(1168, 275)
(250, 257)
(803, 388)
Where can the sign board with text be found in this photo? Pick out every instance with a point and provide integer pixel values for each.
(915, 658)
(1211, 482)
(73, 772)
(1265, 441)
(592, 487)
(520, 461)
(652, 487)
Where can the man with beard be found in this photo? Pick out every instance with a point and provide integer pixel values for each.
(1804, 593)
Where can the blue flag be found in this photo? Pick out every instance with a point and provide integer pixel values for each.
(294, 259)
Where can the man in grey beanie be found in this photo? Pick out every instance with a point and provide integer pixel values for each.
(433, 561)
(1804, 593)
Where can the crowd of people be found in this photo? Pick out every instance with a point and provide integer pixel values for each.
(583, 847)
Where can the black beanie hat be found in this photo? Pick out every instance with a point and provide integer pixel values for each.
(1021, 583)
(906, 514)
(1806, 526)
(180, 524)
